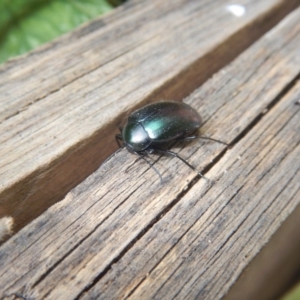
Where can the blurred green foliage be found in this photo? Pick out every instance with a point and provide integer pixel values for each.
(26, 24)
(294, 294)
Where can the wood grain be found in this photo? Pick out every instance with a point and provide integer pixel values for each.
(215, 236)
(121, 233)
(61, 105)
(134, 25)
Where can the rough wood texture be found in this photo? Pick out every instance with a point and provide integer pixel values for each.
(62, 103)
(121, 233)
(6, 226)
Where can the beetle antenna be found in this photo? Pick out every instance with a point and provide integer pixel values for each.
(171, 153)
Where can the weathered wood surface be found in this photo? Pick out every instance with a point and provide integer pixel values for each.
(61, 105)
(121, 233)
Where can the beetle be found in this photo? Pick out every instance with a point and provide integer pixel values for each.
(153, 126)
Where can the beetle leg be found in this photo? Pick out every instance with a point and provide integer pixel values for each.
(150, 151)
(171, 153)
(142, 156)
(121, 129)
(193, 137)
(118, 138)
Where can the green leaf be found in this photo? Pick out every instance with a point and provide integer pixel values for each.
(294, 294)
(26, 24)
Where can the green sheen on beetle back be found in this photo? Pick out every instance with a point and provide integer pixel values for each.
(136, 134)
(159, 123)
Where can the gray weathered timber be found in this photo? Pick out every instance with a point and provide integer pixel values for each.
(123, 233)
(61, 105)
(205, 241)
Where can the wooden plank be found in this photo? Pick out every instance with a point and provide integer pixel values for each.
(201, 246)
(130, 26)
(214, 237)
(6, 226)
(274, 270)
(61, 104)
(122, 216)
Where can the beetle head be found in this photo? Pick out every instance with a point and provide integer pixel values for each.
(135, 137)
